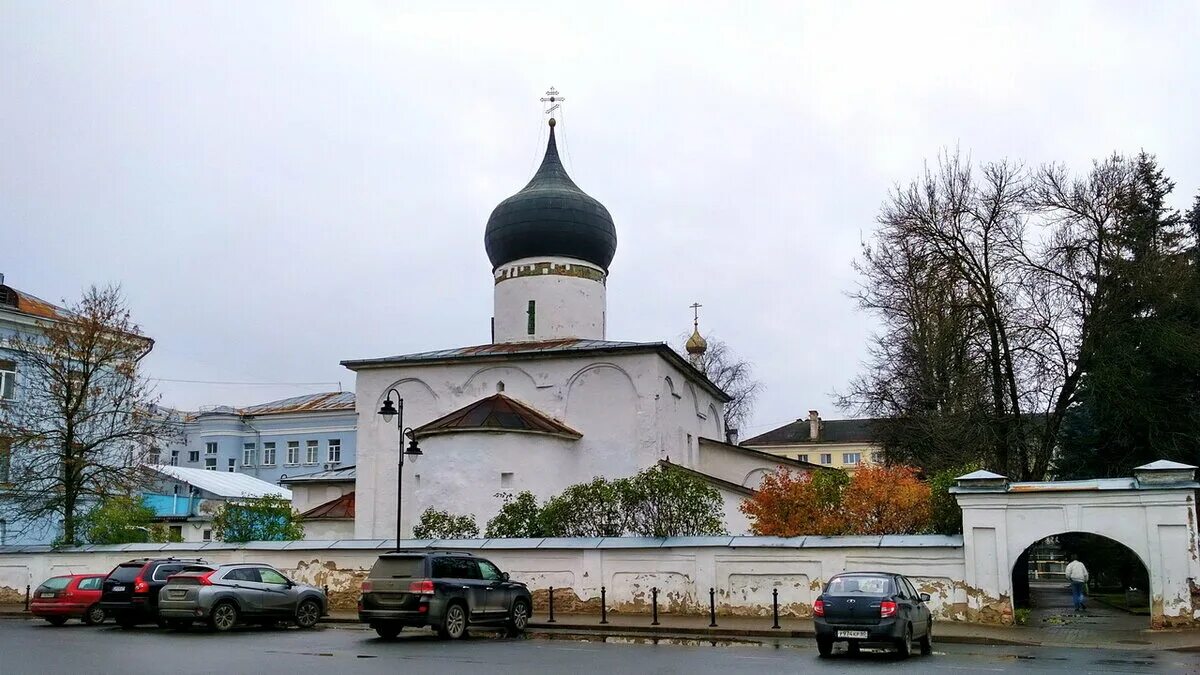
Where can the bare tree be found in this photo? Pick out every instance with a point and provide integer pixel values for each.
(84, 417)
(734, 376)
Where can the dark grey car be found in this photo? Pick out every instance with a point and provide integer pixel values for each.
(233, 593)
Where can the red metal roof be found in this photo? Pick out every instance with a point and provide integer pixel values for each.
(497, 413)
(337, 509)
(30, 304)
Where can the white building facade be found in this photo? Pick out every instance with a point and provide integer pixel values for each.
(550, 402)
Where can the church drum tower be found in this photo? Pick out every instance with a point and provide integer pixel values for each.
(550, 246)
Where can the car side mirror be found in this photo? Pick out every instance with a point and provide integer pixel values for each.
(504, 576)
(924, 597)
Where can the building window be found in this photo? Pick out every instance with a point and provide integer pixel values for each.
(310, 452)
(248, 458)
(506, 479)
(5, 459)
(232, 465)
(268, 458)
(826, 458)
(206, 535)
(532, 319)
(293, 457)
(335, 450)
(210, 463)
(154, 456)
(174, 458)
(210, 448)
(802, 458)
(8, 380)
(3, 532)
(193, 456)
(852, 458)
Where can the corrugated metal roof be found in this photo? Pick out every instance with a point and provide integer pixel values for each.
(504, 348)
(323, 402)
(32, 305)
(565, 347)
(831, 431)
(222, 483)
(342, 475)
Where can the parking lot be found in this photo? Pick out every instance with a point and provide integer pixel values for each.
(30, 646)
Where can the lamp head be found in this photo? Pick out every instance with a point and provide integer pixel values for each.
(388, 410)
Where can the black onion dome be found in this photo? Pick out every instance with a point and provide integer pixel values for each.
(551, 216)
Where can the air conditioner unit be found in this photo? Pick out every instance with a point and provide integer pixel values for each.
(332, 465)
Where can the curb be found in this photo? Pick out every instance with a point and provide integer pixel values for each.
(667, 631)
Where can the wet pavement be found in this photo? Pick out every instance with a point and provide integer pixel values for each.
(28, 646)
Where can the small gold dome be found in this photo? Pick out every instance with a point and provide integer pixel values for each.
(696, 345)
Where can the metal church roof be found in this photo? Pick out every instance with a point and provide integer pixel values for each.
(222, 483)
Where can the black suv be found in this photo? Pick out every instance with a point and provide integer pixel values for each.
(447, 590)
(130, 593)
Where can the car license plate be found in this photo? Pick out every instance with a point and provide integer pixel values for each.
(853, 634)
(178, 594)
(118, 589)
(46, 595)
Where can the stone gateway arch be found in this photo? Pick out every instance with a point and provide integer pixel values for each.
(1153, 514)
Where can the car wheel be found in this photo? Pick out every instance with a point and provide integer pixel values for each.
(518, 618)
(308, 614)
(454, 624)
(94, 615)
(387, 631)
(927, 641)
(904, 646)
(824, 647)
(223, 617)
(56, 620)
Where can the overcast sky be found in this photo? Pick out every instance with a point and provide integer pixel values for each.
(280, 186)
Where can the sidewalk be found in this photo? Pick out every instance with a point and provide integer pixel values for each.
(1077, 631)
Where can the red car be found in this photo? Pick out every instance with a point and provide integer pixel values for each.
(72, 596)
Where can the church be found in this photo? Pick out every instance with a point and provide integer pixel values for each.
(551, 401)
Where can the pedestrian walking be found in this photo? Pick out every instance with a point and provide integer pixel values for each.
(1077, 574)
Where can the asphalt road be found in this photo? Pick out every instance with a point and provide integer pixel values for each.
(33, 647)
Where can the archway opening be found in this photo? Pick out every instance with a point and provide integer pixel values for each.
(1116, 594)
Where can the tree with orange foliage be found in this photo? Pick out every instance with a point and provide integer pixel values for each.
(886, 500)
(876, 500)
(794, 503)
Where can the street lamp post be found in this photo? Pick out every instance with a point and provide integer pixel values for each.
(389, 410)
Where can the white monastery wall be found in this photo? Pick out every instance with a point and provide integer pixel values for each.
(309, 495)
(621, 403)
(565, 306)
(742, 570)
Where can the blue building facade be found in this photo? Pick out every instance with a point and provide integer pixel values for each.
(269, 441)
(21, 316)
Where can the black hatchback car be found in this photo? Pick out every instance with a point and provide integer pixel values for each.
(446, 590)
(130, 593)
(874, 608)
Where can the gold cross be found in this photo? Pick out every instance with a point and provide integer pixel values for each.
(695, 307)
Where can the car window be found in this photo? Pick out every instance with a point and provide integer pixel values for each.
(455, 568)
(270, 576)
(399, 567)
(56, 583)
(242, 574)
(912, 590)
(126, 572)
(91, 583)
(165, 571)
(860, 584)
(489, 572)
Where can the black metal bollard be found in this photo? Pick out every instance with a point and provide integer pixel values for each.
(712, 608)
(551, 619)
(775, 607)
(654, 603)
(26, 597)
(326, 589)
(603, 606)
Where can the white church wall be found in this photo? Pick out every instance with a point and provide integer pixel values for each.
(742, 570)
(736, 522)
(565, 306)
(309, 495)
(744, 468)
(613, 401)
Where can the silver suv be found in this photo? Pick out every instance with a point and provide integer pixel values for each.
(232, 593)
